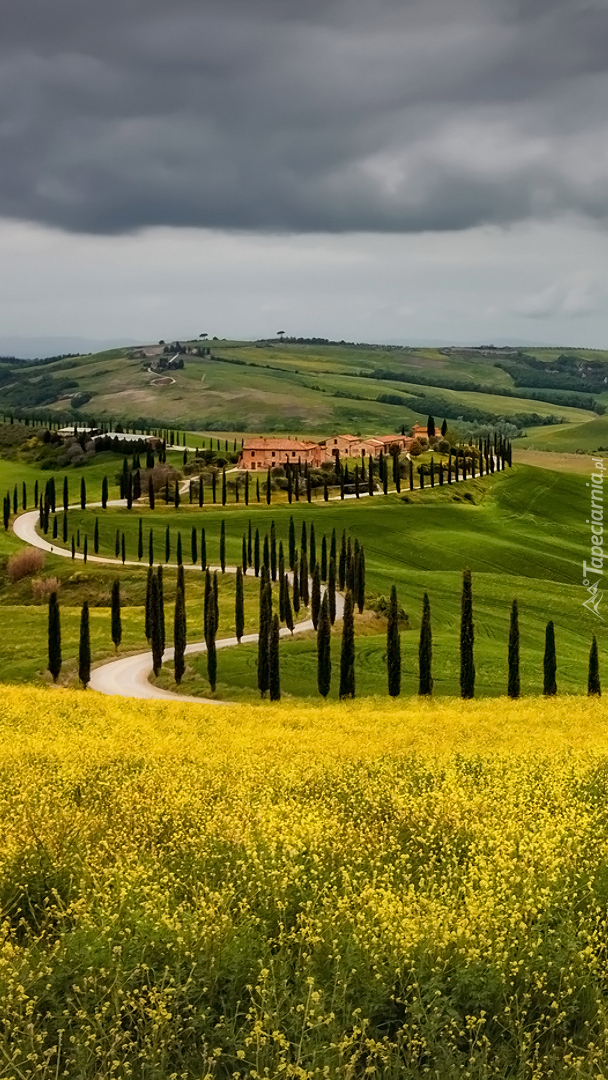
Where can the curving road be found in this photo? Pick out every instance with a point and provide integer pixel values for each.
(129, 676)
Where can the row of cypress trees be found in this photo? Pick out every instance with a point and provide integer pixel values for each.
(55, 659)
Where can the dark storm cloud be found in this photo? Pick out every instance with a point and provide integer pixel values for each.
(304, 115)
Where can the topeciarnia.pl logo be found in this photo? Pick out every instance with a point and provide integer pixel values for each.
(594, 569)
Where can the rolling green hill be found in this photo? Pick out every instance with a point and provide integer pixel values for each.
(316, 388)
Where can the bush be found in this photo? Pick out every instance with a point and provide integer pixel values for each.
(380, 605)
(43, 587)
(416, 448)
(24, 563)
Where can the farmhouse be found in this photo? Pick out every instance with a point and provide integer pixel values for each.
(261, 453)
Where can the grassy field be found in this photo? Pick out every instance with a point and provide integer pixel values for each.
(305, 388)
(522, 533)
(386, 890)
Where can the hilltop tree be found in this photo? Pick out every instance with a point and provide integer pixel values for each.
(393, 646)
(513, 688)
(324, 648)
(84, 648)
(116, 621)
(430, 428)
(274, 677)
(444, 429)
(54, 634)
(425, 650)
(347, 653)
(467, 634)
(549, 662)
(593, 680)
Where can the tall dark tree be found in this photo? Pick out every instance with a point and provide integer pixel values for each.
(244, 554)
(549, 662)
(342, 564)
(249, 545)
(216, 603)
(324, 648)
(315, 596)
(116, 621)
(425, 650)
(179, 627)
(266, 554)
(224, 491)
(304, 591)
(161, 607)
(223, 546)
(151, 499)
(66, 495)
(65, 528)
(331, 590)
(273, 551)
(264, 639)
(467, 636)
(246, 489)
(84, 648)
(304, 539)
(239, 607)
(360, 580)
(83, 494)
(203, 550)
(593, 680)
(256, 553)
(274, 676)
(54, 637)
(194, 546)
(208, 599)
(149, 616)
(287, 608)
(151, 548)
(211, 648)
(513, 687)
(104, 493)
(296, 587)
(393, 646)
(430, 427)
(444, 428)
(176, 498)
(347, 652)
(268, 487)
(324, 558)
(140, 539)
(167, 544)
(95, 535)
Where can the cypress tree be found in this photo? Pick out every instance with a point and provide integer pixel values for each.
(24, 496)
(360, 580)
(167, 544)
(274, 677)
(66, 497)
(84, 649)
(273, 551)
(347, 652)
(203, 550)
(266, 554)
(264, 638)
(292, 544)
(249, 546)
(513, 687)
(176, 498)
(140, 539)
(312, 547)
(211, 649)
(149, 616)
(123, 549)
(257, 489)
(151, 499)
(315, 596)
(54, 637)
(325, 489)
(116, 622)
(179, 628)
(289, 484)
(430, 427)
(85, 551)
(239, 608)
(55, 526)
(393, 646)
(246, 489)
(331, 590)
(151, 548)
(593, 680)
(244, 554)
(282, 595)
(304, 594)
(83, 494)
(194, 546)
(208, 598)
(213, 486)
(425, 650)
(65, 528)
(342, 564)
(161, 608)
(104, 493)
(268, 488)
(223, 546)
(304, 540)
(324, 648)
(549, 662)
(467, 633)
(324, 558)
(296, 587)
(201, 491)
(224, 492)
(256, 553)
(411, 476)
(95, 534)
(370, 476)
(287, 608)
(216, 603)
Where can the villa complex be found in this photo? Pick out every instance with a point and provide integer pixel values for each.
(261, 452)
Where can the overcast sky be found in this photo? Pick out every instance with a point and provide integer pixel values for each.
(386, 170)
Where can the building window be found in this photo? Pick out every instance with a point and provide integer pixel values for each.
(273, 453)
(293, 453)
(253, 453)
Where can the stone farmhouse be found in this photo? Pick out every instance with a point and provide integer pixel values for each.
(260, 452)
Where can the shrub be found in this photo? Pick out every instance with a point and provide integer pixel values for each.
(24, 563)
(43, 587)
(415, 448)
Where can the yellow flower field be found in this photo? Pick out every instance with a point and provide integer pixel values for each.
(377, 889)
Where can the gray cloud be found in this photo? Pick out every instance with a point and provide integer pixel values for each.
(302, 115)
